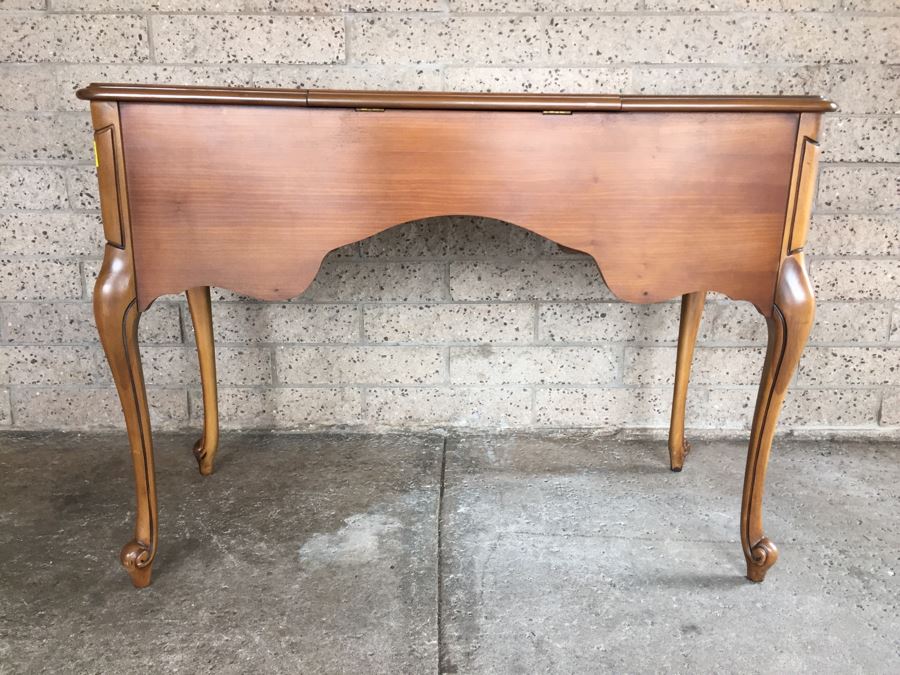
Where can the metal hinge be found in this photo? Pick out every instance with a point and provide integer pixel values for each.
(556, 112)
(370, 110)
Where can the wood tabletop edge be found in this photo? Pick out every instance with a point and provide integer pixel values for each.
(423, 100)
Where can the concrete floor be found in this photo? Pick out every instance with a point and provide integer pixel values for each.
(482, 553)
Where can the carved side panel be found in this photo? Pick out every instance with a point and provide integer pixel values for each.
(111, 173)
(803, 183)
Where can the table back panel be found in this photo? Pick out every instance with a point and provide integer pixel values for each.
(251, 198)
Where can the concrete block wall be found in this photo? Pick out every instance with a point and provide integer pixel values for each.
(458, 321)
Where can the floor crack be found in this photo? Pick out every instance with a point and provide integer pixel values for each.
(440, 574)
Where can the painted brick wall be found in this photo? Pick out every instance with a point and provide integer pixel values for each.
(458, 321)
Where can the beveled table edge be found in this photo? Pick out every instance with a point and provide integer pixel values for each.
(432, 100)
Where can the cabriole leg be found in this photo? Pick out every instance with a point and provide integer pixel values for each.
(691, 312)
(117, 316)
(789, 327)
(201, 315)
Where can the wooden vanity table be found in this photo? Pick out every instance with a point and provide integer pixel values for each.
(248, 189)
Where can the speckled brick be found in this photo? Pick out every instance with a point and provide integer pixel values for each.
(510, 323)
(731, 323)
(803, 408)
(739, 323)
(61, 137)
(235, 366)
(32, 187)
(82, 187)
(856, 279)
(73, 38)
(53, 322)
(607, 322)
(743, 5)
(274, 6)
(834, 408)
(860, 139)
(895, 324)
(864, 88)
(871, 5)
(50, 233)
(39, 280)
(890, 408)
(539, 80)
(850, 366)
(248, 39)
(238, 322)
(403, 78)
(360, 365)
(27, 87)
(859, 188)
(575, 279)
(854, 235)
(464, 40)
(712, 365)
(742, 38)
(428, 238)
(345, 281)
(89, 271)
(457, 407)
(639, 46)
(22, 4)
(486, 364)
(285, 407)
(527, 6)
(603, 408)
(838, 322)
(5, 408)
(53, 365)
(454, 237)
(83, 408)
(723, 409)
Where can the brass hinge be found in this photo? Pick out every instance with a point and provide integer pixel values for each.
(556, 112)
(370, 110)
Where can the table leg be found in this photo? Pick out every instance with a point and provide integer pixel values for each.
(117, 316)
(789, 328)
(691, 312)
(201, 316)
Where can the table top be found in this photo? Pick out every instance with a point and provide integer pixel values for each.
(422, 100)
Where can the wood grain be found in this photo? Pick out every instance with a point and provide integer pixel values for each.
(444, 100)
(789, 327)
(666, 203)
(249, 190)
(803, 184)
(117, 316)
(689, 326)
(201, 317)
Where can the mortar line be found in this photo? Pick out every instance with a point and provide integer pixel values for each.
(440, 575)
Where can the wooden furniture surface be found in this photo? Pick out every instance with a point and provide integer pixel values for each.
(249, 189)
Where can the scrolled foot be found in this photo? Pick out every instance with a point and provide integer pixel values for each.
(204, 458)
(763, 555)
(676, 459)
(137, 560)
